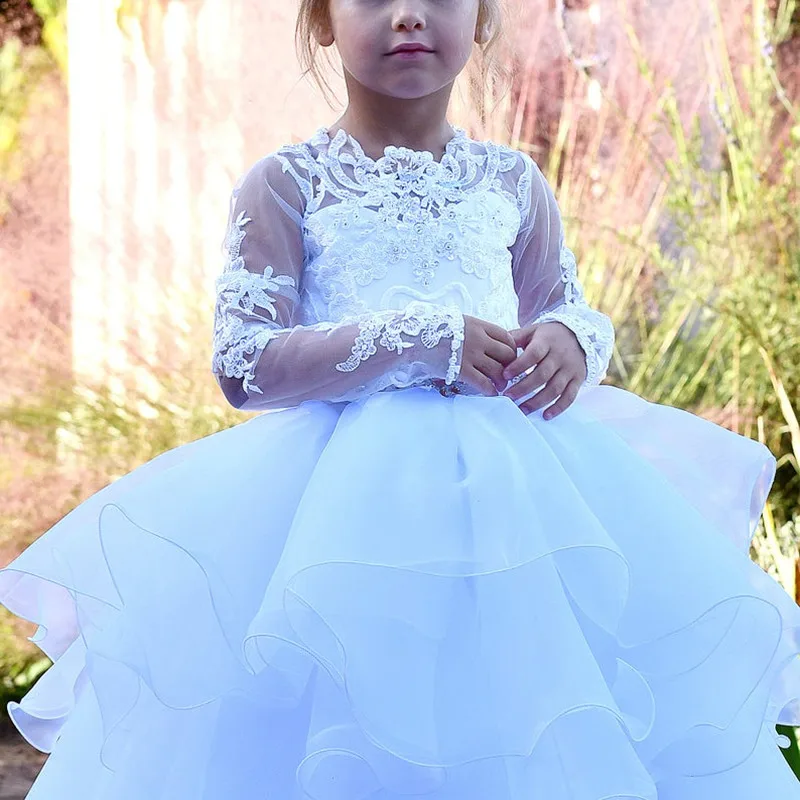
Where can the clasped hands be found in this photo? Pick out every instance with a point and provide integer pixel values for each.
(551, 350)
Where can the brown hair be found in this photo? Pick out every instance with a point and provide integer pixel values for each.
(489, 70)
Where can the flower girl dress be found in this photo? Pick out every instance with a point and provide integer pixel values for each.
(392, 586)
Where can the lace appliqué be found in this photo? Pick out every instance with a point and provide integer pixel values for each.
(244, 290)
(239, 330)
(593, 329)
(409, 186)
(416, 206)
(419, 320)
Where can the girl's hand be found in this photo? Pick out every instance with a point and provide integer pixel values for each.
(487, 350)
(560, 366)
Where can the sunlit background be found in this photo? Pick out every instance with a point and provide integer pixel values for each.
(669, 129)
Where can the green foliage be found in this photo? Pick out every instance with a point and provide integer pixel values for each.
(728, 333)
(21, 68)
(19, 670)
(114, 426)
(21, 71)
(705, 290)
(54, 33)
(792, 752)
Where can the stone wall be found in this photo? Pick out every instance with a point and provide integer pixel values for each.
(165, 115)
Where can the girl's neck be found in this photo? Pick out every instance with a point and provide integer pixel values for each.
(377, 121)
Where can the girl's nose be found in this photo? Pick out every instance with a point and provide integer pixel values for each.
(408, 17)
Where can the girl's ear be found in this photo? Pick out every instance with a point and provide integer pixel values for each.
(482, 33)
(323, 33)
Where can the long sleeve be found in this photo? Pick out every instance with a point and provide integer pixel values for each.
(264, 357)
(545, 274)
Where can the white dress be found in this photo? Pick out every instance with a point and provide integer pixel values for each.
(393, 586)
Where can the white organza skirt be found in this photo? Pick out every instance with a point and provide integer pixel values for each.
(417, 595)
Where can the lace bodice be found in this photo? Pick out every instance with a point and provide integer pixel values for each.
(346, 275)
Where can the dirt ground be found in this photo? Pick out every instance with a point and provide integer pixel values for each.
(19, 765)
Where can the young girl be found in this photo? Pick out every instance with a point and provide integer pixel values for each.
(450, 565)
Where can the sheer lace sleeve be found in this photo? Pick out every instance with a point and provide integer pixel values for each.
(265, 357)
(545, 274)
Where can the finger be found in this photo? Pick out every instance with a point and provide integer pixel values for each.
(536, 351)
(481, 382)
(552, 391)
(523, 335)
(493, 370)
(500, 334)
(540, 373)
(567, 398)
(500, 352)
(511, 341)
(543, 373)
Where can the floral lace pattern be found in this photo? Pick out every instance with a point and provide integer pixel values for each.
(409, 186)
(417, 320)
(594, 330)
(239, 329)
(399, 247)
(241, 333)
(406, 211)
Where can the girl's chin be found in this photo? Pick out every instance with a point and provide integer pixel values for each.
(415, 90)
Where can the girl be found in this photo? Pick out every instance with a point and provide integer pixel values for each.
(408, 581)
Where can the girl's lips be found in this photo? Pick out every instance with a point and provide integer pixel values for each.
(409, 46)
(410, 55)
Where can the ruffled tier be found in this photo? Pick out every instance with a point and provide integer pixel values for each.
(418, 595)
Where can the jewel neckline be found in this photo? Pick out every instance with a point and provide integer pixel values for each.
(459, 137)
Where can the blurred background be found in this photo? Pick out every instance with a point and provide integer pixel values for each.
(669, 128)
